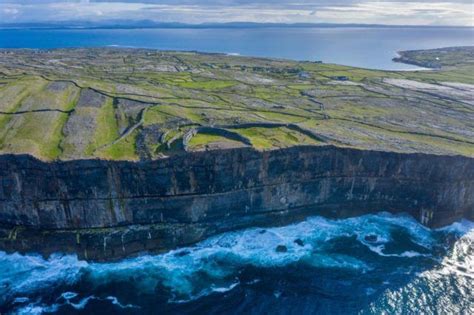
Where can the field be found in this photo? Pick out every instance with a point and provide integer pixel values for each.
(135, 104)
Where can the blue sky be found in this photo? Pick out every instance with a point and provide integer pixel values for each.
(408, 12)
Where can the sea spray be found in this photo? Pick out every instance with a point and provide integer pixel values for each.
(361, 264)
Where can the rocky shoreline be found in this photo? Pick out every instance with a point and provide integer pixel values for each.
(105, 210)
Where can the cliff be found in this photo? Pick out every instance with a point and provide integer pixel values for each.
(106, 210)
(110, 152)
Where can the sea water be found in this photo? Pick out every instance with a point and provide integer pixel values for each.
(364, 265)
(368, 47)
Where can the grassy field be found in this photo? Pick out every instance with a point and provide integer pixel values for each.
(132, 104)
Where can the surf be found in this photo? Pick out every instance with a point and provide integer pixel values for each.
(246, 261)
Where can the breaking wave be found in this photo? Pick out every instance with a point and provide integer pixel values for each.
(357, 265)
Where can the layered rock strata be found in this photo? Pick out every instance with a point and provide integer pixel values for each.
(105, 210)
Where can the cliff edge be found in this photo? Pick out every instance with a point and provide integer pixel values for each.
(111, 209)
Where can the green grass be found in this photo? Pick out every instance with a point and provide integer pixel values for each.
(271, 138)
(207, 85)
(37, 133)
(199, 141)
(51, 149)
(185, 90)
(107, 128)
(155, 116)
(162, 113)
(282, 116)
(122, 150)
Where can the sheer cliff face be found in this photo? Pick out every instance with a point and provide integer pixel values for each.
(105, 210)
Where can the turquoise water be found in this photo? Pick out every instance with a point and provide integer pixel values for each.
(362, 265)
(362, 47)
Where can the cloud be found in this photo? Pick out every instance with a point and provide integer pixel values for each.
(402, 12)
(412, 12)
(10, 11)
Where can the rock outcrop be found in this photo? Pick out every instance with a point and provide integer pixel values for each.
(105, 210)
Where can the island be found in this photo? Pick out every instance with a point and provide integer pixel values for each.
(112, 152)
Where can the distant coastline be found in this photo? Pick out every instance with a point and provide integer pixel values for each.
(362, 47)
(176, 25)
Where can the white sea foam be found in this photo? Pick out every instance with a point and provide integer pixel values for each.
(122, 46)
(225, 289)
(82, 303)
(68, 295)
(115, 301)
(441, 287)
(379, 250)
(463, 227)
(27, 274)
(41, 308)
(37, 309)
(211, 266)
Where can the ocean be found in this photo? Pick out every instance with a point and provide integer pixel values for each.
(361, 47)
(365, 265)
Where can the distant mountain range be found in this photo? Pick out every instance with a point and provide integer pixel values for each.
(121, 24)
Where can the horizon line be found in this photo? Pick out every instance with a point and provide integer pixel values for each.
(137, 24)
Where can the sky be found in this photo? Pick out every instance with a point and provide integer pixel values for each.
(398, 12)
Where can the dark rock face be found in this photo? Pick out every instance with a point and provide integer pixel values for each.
(371, 238)
(299, 242)
(105, 210)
